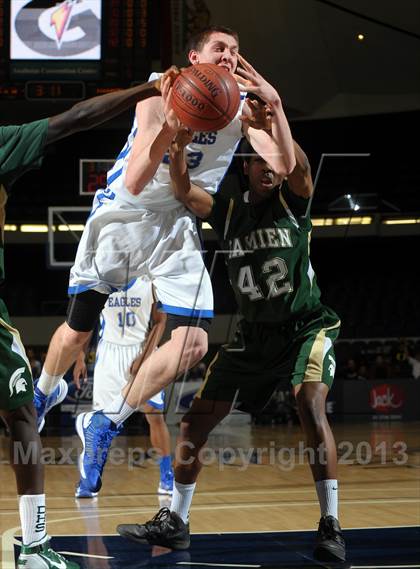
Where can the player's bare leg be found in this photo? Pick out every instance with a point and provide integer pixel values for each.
(161, 442)
(65, 346)
(51, 389)
(311, 398)
(26, 461)
(25, 449)
(196, 425)
(159, 434)
(186, 347)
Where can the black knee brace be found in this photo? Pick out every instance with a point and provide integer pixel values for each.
(84, 309)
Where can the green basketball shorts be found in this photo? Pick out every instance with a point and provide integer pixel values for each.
(264, 355)
(16, 385)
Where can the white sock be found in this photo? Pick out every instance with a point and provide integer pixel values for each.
(181, 500)
(118, 410)
(47, 383)
(32, 519)
(327, 491)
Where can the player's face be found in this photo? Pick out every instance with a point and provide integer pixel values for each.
(221, 49)
(262, 179)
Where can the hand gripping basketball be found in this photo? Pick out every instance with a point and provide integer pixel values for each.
(205, 97)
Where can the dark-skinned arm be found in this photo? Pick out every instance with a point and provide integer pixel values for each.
(193, 197)
(300, 180)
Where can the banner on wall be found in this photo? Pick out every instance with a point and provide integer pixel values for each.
(377, 399)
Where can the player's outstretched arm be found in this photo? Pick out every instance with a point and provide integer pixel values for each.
(92, 112)
(193, 197)
(300, 180)
(276, 146)
(157, 125)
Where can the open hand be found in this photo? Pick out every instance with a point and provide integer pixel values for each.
(79, 373)
(135, 365)
(251, 81)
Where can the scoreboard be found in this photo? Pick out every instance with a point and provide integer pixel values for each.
(92, 174)
(74, 49)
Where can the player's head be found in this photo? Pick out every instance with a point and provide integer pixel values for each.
(261, 177)
(215, 44)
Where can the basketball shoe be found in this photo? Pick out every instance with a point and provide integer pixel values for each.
(83, 491)
(330, 545)
(166, 529)
(44, 403)
(43, 557)
(96, 432)
(166, 484)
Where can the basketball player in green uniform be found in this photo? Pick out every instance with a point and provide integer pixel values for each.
(21, 149)
(285, 333)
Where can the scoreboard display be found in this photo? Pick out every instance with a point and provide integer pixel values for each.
(74, 49)
(92, 174)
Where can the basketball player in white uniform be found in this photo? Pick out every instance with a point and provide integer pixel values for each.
(125, 327)
(137, 227)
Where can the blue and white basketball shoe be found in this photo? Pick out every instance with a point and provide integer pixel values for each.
(44, 403)
(83, 491)
(96, 432)
(166, 484)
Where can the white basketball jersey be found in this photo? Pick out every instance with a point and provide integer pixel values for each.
(125, 317)
(208, 157)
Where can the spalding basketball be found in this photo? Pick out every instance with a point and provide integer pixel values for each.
(205, 97)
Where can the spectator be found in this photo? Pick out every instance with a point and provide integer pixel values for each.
(43, 356)
(399, 354)
(380, 368)
(34, 362)
(363, 372)
(350, 371)
(415, 365)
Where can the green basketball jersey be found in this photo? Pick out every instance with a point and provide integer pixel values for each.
(266, 248)
(21, 148)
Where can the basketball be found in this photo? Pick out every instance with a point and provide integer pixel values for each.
(205, 97)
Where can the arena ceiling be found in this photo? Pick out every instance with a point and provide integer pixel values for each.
(309, 49)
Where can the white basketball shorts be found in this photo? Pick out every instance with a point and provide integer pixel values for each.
(120, 243)
(112, 372)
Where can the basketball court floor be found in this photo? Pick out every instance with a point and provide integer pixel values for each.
(253, 507)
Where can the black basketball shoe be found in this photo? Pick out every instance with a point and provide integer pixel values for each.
(330, 545)
(166, 529)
